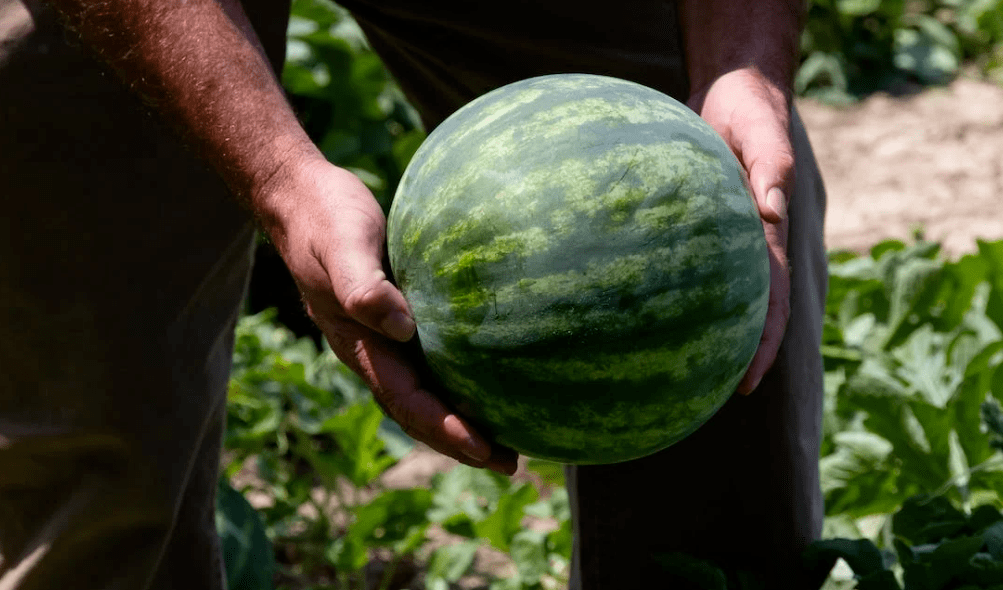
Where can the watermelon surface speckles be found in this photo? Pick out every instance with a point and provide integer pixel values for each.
(585, 265)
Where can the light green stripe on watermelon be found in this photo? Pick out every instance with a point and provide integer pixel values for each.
(642, 172)
(518, 244)
(624, 272)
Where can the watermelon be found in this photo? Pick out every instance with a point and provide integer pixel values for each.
(586, 267)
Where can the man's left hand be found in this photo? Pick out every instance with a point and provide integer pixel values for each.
(752, 114)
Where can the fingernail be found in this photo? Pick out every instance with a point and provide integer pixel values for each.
(398, 326)
(474, 448)
(478, 451)
(747, 387)
(776, 201)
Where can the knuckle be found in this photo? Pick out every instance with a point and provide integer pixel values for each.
(400, 413)
(361, 299)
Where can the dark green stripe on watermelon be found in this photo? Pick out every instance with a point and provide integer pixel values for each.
(585, 265)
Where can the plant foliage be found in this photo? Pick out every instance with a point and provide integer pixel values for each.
(346, 100)
(851, 48)
(914, 365)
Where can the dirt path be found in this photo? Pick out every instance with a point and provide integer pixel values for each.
(932, 161)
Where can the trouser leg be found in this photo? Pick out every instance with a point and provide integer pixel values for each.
(744, 489)
(123, 263)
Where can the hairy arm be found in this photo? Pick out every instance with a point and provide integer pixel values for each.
(200, 65)
(741, 58)
(722, 36)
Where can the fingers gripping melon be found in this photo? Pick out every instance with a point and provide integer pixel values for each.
(585, 265)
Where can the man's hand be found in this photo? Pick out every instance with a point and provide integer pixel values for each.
(753, 116)
(330, 231)
(741, 57)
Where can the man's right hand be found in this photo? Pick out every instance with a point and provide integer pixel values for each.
(331, 232)
(214, 85)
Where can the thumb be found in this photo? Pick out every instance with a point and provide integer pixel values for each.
(348, 239)
(368, 297)
(767, 155)
(361, 284)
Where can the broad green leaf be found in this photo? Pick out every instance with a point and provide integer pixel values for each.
(465, 491)
(875, 377)
(361, 458)
(891, 417)
(323, 13)
(406, 145)
(857, 331)
(528, 549)
(820, 69)
(923, 520)
(911, 281)
(347, 554)
(507, 583)
(992, 254)
(857, 479)
(961, 350)
(865, 494)
(938, 564)
(921, 53)
(560, 541)
(923, 367)
(858, 7)
(449, 563)
(993, 536)
(883, 580)
(247, 551)
(958, 462)
(505, 520)
(967, 403)
(395, 518)
(958, 283)
(983, 571)
(861, 555)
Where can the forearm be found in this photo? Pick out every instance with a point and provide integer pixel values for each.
(723, 35)
(199, 64)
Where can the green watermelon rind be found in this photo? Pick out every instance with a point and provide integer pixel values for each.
(576, 250)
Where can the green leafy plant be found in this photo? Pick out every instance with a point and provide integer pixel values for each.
(247, 551)
(937, 546)
(306, 439)
(912, 347)
(304, 434)
(914, 361)
(346, 100)
(482, 507)
(851, 48)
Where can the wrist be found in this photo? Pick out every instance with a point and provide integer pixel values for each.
(306, 190)
(745, 84)
(722, 36)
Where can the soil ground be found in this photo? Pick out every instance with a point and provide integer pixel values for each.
(930, 162)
